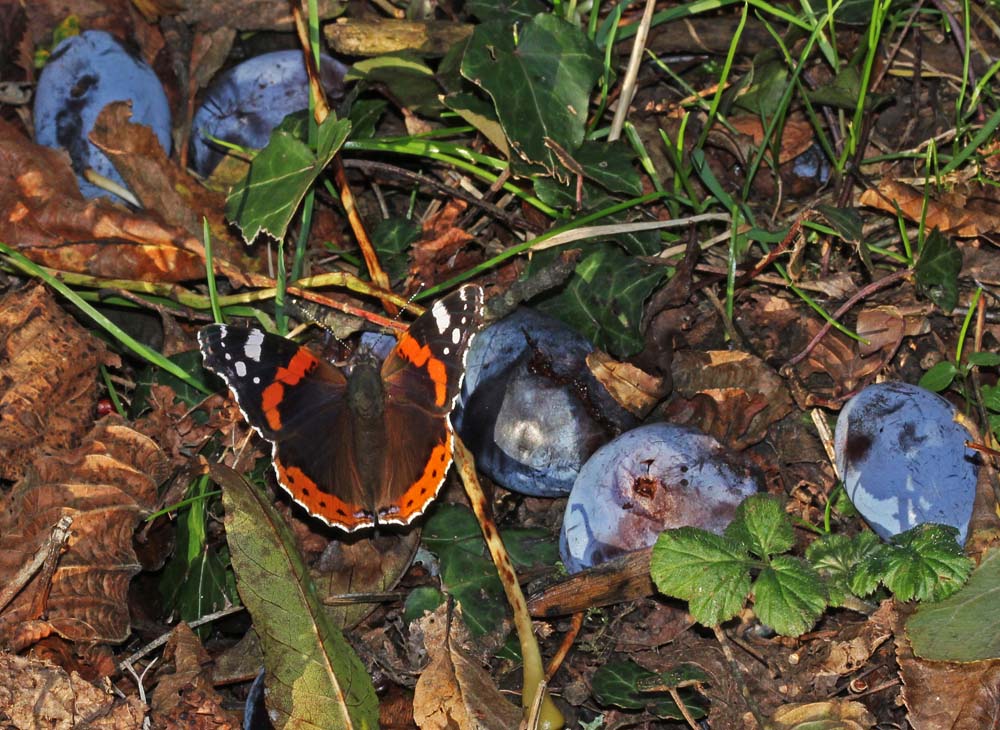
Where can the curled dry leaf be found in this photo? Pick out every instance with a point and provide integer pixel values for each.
(185, 691)
(636, 390)
(161, 186)
(832, 714)
(454, 690)
(35, 694)
(48, 388)
(733, 396)
(106, 485)
(42, 211)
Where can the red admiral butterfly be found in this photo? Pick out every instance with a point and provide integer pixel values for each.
(359, 449)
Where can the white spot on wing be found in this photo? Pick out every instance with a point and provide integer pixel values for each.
(255, 338)
(456, 336)
(441, 317)
(241, 368)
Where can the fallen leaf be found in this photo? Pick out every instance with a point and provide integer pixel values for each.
(48, 383)
(635, 390)
(455, 691)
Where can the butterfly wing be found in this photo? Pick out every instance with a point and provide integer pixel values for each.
(422, 378)
(298, 403)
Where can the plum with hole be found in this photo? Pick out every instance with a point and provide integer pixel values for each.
(530, 410)
(84, 74)
(902, 455)
(244, 104)
(647, 480)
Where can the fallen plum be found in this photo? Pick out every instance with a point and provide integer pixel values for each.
(647, 480)
(84, 74)
(244, 104)
(530, 410)
(902, 456)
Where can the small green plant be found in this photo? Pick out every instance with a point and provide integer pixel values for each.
(716, 574)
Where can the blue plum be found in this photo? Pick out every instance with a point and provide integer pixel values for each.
(84, 74)
(647, 480)
(530, 410)
(244, 104)
(902, 456)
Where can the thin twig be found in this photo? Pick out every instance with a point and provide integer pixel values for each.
(48, 551)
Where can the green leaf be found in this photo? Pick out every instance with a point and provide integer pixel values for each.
(769, 80)
(509, 11)
(846, 221)
(421, 600)
(937, 270)
(926, 563)
(789, 596)
(604, 300)
(314, 678)
(278, 179)
(623, 684)
(393, 237)
(540, 78)
(610, 164)
(966, 626)
(410, 80)
(836, 557)
(710, 572)
(984, 359)
(481, 115)
(939, 377)
(467, 571)
(991, 397)
(760, 523)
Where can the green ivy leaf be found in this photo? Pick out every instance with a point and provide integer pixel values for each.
(278, 179)
(625, 684)
(710, 572)
(536, 98)
(926, 563)
(761, 524)
(789, 596)
(937, 270)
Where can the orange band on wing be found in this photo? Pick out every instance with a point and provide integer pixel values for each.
(422, 357)
(328, 507)
(301, 363)
(419, 496)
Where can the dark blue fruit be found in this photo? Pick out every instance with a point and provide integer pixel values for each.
(247, 102)
(530, 410)
(902, 456)
(648, 480)
(84, 74)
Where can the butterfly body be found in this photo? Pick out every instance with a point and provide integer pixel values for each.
(355, 449)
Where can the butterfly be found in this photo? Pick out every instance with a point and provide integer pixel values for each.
(356, 448)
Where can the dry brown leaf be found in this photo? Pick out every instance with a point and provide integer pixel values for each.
(796, 137)
(161, 186)
(733, 396)
(854, 646)
(974, 212)
(829, 715)
(635, 390)
(947, 695)
(48, 378)
(455, 691)
(44, 214)
(442, 242)
(105, 485)
(184, 697)
(36, 694)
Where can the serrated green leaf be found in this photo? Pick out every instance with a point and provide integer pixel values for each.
(835, 557)
(549, 100)
(761, 524)
(966, 626)
(789, 596)
(868, 573)
(937, 270)
(926, 563)
(710, 572)
(278, 179)
(939, 377)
